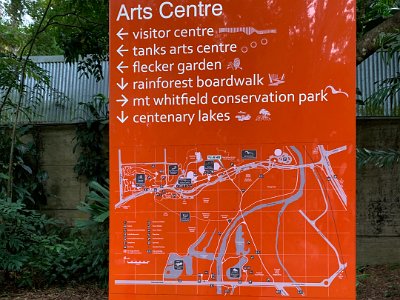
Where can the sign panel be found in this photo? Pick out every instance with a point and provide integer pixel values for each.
(232, 149)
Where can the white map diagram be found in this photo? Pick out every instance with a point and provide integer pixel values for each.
(234, 221)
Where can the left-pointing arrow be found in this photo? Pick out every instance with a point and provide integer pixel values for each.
(122, 118)
(124, 101)
(121, 34)
(121, 67)
(121, 50)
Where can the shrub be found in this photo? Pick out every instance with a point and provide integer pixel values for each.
(36, 250)
(26, 240)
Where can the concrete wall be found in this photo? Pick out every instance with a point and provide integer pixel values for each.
(378, 190)
(378, 195)
(64, 190)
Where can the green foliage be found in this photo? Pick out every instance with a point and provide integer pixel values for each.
(372, 12)
(13, 87)
(387, 92)
(25, 238)
(89, 257)
(389, 88)
(361, 276)
(390, 43)
(84, 33)
(96, 206)
(76, 28)
(93, 164)
(29, 178)
(11, 39)
(93, 153)
(78, 257)
(36, 251)
(379, 158)
(9, 73)
(16, 31)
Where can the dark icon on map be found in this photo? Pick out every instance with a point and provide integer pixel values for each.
(185, 217)
(173, 169)
(209, 167)
(140, 179)
(249, 154)
(178, 264)
(184, 182)
(234, 273)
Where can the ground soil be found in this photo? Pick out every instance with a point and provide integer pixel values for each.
(379, 282)
(374, 283)
(84, 292)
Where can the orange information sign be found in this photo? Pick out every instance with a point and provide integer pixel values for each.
(232, 149)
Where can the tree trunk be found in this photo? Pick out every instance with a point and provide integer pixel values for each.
(367, 44)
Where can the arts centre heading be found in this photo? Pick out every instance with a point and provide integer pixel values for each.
(168, 10)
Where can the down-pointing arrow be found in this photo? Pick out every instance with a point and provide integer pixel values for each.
(121, 34)
(124, 101)
(122, 119)
(121, 67)
(122, 85)
(121, 50)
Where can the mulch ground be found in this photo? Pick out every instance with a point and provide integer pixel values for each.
(84, 292)
(379, 282)
(374, 283)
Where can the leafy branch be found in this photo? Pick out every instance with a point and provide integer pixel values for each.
(379, 158)
(21, 91)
